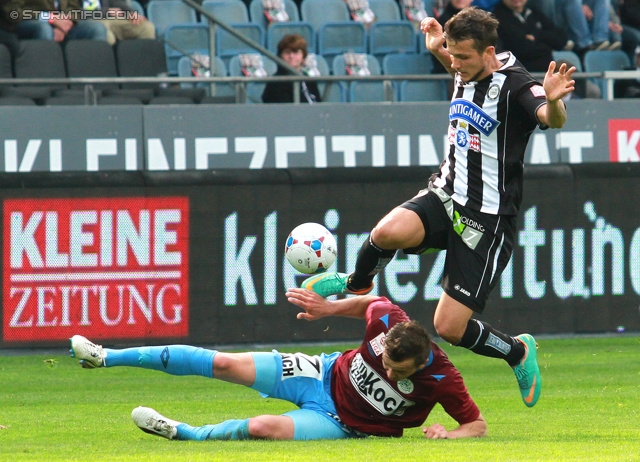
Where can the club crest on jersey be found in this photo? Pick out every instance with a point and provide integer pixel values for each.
(405, 386)
(493, 92)
(467, 111)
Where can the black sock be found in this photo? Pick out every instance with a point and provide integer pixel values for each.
(484, 340)
(371, 260)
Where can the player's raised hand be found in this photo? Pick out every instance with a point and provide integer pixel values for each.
(434, 35)
(558, 84)
(314, 306)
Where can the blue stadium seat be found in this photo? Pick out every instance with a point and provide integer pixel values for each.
(319, 12)
(276, 31)
(181, 39)
(391, 37)
(360, 91)
(569, 57)
(164, 13)
(335, 38)
(228, 11)
(228, 46)
(385, 10)
(256, 12)
(405, 64)
(255, 89)
(219, 70)
(331, 92)
(605, 60)
(422, 90)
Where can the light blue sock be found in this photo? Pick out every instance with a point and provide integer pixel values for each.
(172, 359)
(227, 430)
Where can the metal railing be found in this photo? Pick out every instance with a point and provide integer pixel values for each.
(241, 82)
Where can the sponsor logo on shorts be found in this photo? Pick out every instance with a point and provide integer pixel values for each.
(462, 290)
(375, 390)
(301, 365)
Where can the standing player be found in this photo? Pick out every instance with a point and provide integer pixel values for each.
(391, 382)
(470, 207)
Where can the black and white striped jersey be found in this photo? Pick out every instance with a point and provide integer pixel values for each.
(490, 122)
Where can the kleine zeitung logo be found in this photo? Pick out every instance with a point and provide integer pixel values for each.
(101, 267)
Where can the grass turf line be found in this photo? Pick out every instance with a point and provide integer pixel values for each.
(589, 410)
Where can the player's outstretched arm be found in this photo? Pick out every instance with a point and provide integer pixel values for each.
(316, 307)
(556, 85)
(434, 41)
(475, 429)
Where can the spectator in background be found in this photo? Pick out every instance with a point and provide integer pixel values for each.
(596, 13)
(627, 34)
(51, 27)
(7, 27)
(292, 48)
(118, 26)
(529, 34)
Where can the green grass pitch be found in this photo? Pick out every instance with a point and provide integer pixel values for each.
(52, 410)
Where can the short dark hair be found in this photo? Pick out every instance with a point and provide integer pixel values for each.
(293, 42)
(473, 24)
(408, 340)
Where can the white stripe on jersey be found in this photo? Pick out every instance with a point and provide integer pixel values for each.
(490, 153)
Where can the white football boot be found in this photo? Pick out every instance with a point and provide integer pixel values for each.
(89, 354)
(151, 421)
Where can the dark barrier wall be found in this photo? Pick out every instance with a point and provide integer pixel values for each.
(197, 257)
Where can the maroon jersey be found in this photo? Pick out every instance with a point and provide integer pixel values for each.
(370, 403)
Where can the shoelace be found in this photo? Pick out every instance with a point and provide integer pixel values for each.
(522, 376)
(158, 425)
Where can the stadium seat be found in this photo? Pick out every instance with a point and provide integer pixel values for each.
(228, 11)
(605, 60)
(335, 38)
(184, 39)
(164, 13)
(569, 57)
(330, 92)
(409, 64)
(228, 46)
(146, 58)
(254, 89)
(219, 70)
(39, 59)
(137, 7)
(276, 31)
(319, 12)
(422, 90)
(256, 12)
(391, 37)
(6, 71)
(385, 10)
(90, 58)
(364, 91)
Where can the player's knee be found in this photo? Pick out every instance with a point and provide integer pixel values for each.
(260, 429)
(448, 331)
(222, 364)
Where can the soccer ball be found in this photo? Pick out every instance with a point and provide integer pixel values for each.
(311, 248)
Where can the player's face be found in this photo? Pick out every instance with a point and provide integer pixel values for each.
(468, 63)
(398, 370)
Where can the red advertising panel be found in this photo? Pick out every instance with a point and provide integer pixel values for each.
(102, 267)
(624, 140)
